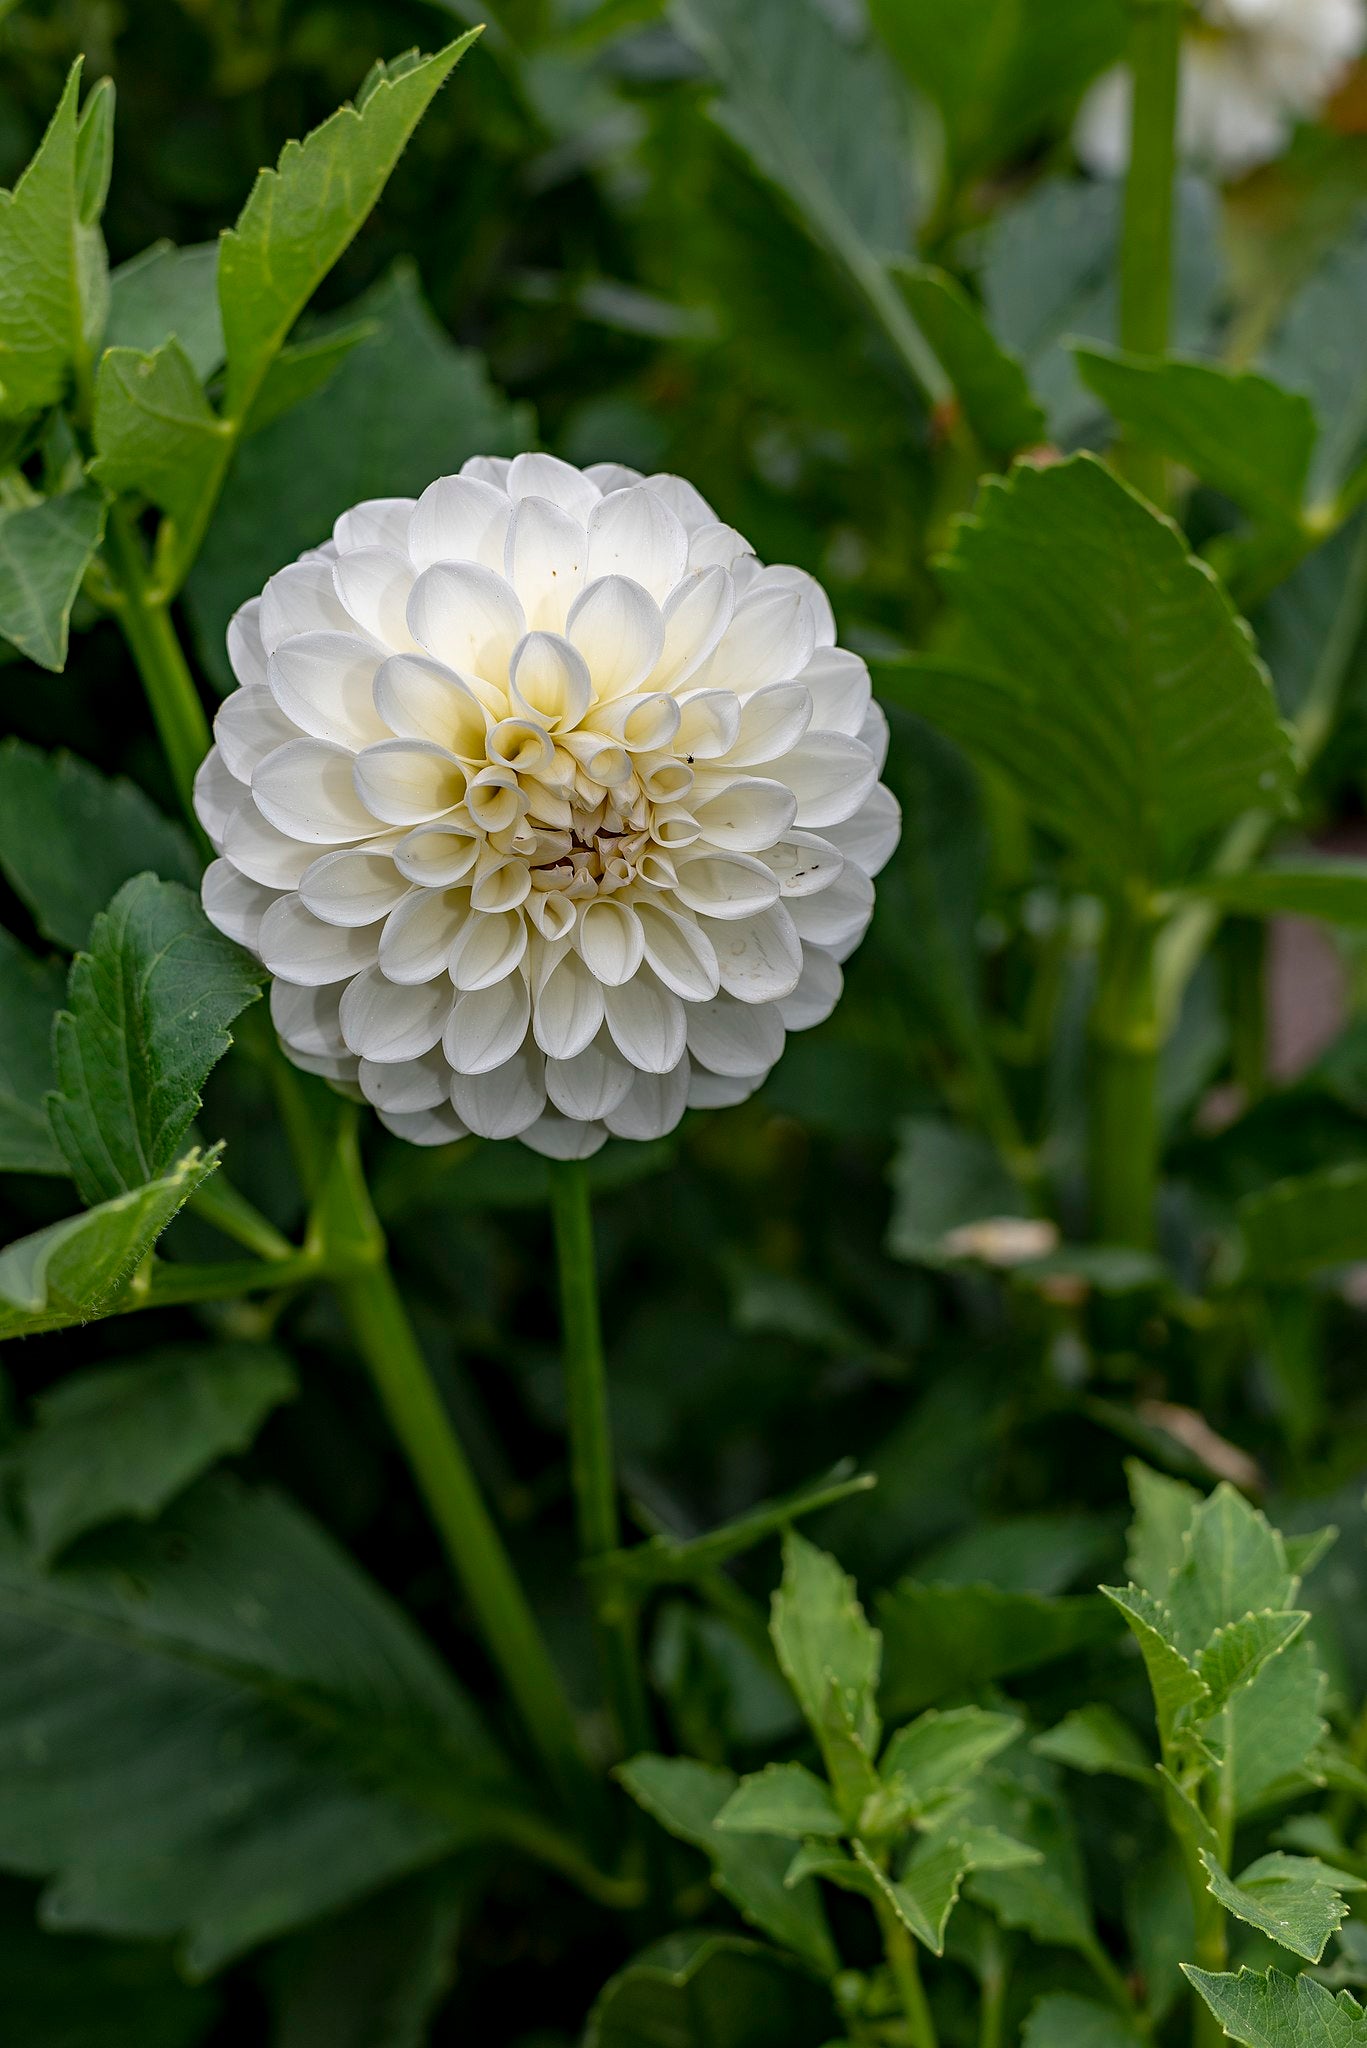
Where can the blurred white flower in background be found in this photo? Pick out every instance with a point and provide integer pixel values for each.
(1250, 70)
(548, 806)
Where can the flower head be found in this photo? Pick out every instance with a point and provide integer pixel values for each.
(1250, 68)
(548, 807)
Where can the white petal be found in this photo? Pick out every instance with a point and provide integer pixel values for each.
(325, 683)
(816, 994)
(611, 941)
(250, 725)
(840, 690)
(307, 1018)
(487, 948)
(408, 782)
(459, 519)
(839, 916)
(560, 1137)
(488, 469)
(619, 630)
(646, 1021)
(721, 1091)
(715, 545)
(644, 722)
(738, 1039)
(299, 947)
(382, 1021)
(545, 476)
(436, 856)
(871, 835)
(440, 1126)
(634, 533)
(468, 617)
(543, 559)
(769, 640)
(233, 904)
(708, 723)
(679, 952)
(682, 498)
(374, 584)
(830, 774)
(406, 1087)
(591, 1084)
(374, 523)
(772, 721)
(418, 935)
(803, 864)
(340, 1072)
(652, 1106)
(550, 680)
(781, 575)
(759, 959)
(355, 885)
(301, 599)
(487, 1025)
(420, 699)
(724, 885)
(305, 789)
(612, 476)
(743, 813)
(874, 733)
(218, 796)
(568, 1008)
(246, 655)
(504, 1103)
(267, 856)
(696, 614)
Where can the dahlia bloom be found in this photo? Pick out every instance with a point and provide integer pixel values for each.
(1250, 70)
(548, 807)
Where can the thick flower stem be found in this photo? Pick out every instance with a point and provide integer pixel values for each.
(1146, 246)
(1124, 1109)
(591, 1465)
(180, 719)
(900, 1950)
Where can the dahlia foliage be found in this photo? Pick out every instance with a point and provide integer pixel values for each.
(549, 808)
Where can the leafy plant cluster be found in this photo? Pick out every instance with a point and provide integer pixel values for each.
(303, 1736)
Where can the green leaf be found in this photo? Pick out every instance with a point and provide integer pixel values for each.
(926, 1893)
(782, 1799)
(1334, 890)
(155, 431)
(1062, 2020)
(935, 1756)
(66, 1273)
(64, 1992)
(70, 837)
(1272, 1730)
(298, 372)
(124, 1440)
(1274, 2011)
(1047, 1896)
(166, 292)
(686, 1797)
(1317, 350)
(1233, 429)
(368, 435)
(45, 550)
(44, 252)
(300, 216)
(1294, 1900)
(1102, 671)
(1235, 1564)
(1176, 1685)
(822, 1638)
(1095, 1739)
(1001, 72)
(820, 117)
(33, 994)
(705, 1990)
(989, 382)
(1163, 1508)
(151, 1003)
(375, 1976)
(1237, 1652)
(94, 152)
(940, 1641)
(1298, 1227)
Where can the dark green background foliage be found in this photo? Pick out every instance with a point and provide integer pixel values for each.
(257, 1781)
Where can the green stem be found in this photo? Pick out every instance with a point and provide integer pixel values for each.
(177, 711)
(1124, 1113)
(900, 1950)
(591, 1463)
(993, 1973)
(1146, 246)
(229, 1211)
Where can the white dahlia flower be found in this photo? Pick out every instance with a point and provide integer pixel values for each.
(549, 808)
(1250, 70)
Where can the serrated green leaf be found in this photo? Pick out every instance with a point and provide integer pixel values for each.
(1237, 1652)
(1048, 1896)
(1271, 1731)
(45, 550)
(935, 1756)
(166, 292)
(927, 1891)
(782, 1799)
(124, 1440)
(700, 1989)
(94, 152)
(221, 1769)
(1301, 1226)
(1095, 1739)
(33, 995)
(1062, 2020)
(1316, 350)
(1275, 2011)
(70, 837)
(988, 381)
(66, 1273)
(1233, 429)
(1176, 1685)
(686, 1797)
(300, 216)
(1102, 670)
(41, 266)
(821, 1637)
(943, 1641)
(302, 370)
(151, 1003)
(845, 1752)
(1235, 1565)
(155, 431)
(1295, 1900)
